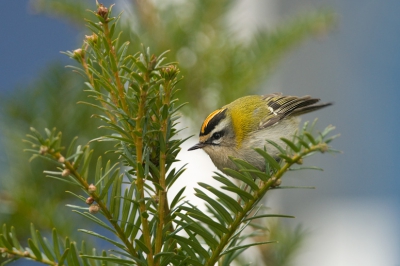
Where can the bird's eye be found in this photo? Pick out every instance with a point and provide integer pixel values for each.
(217, 135)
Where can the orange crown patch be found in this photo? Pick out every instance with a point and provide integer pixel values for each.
(209, 118)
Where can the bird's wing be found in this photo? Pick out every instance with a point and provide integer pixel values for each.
(283, 106)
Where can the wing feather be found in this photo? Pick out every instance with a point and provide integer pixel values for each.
(284, 106)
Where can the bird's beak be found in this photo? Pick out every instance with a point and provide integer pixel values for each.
(197, 146)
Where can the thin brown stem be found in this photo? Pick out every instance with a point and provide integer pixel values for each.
(28, 255)
(162, 193)
(140, 177)
(137, 138)
(113, 220)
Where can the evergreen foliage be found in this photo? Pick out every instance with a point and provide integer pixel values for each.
(136, 95)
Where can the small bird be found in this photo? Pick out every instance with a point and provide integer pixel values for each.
(246, 123)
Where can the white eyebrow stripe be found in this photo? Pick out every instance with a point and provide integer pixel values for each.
(221, 125)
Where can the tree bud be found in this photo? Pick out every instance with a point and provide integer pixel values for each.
(91, 188)
(91, 39)
(275, 182)
(89, 200)
(65, 172)
(94, 208)
(169, 72)
(102, 11)
(78, 54)
(324, 148)
(61, 159)
(43, 150)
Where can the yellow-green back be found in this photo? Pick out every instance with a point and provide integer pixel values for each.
(247, 113)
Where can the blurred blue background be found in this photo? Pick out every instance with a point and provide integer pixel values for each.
(354, 213)
(29, 42)
(356, 206)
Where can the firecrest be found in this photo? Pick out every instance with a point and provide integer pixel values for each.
(246, 123)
